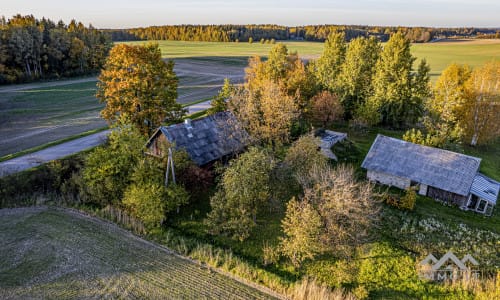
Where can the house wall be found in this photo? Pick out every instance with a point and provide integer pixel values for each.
(155, 147)
(423, 189)
(446, 196)
(387, 179)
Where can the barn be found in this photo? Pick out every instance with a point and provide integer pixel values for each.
(206, 139)
(440, 174)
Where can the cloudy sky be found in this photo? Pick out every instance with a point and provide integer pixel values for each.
(133, 13)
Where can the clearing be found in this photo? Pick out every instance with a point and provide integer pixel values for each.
(61, 254)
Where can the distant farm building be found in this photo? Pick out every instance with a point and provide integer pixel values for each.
(206, 139)
(440, 174)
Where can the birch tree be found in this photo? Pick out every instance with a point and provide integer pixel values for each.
(482, 108)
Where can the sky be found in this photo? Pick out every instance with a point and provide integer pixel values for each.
(134, 13)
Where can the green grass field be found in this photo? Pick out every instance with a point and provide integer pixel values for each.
(57, 254)
(438, 55)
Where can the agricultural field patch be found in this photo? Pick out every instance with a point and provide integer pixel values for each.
(45, 112)
(49, 253)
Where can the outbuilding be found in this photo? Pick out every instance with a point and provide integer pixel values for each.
(440, 174)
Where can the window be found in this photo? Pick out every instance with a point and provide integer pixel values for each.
(481, 206)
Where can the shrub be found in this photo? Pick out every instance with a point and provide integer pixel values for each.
(406, 202)
(270, 254)
(409, 199)
(347, 152)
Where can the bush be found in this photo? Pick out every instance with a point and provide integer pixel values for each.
(406, 202)
(151, 202)
(409, 199)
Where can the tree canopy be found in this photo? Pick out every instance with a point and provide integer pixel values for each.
(33, 49)
(138, 84)
(464, 108)
(398, 92)
(242, 193)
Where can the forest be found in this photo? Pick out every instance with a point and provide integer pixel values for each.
(248, 33)
(32, 49)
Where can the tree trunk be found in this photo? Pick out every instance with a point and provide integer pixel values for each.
(475, 137)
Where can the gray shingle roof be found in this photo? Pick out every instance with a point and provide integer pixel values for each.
(446, 170)
(209, 138)
(486, 188)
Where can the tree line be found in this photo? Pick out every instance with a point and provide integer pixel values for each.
(245, 33)
(32, 49)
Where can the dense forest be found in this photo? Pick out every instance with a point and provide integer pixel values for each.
(33, 49)
(244, 33)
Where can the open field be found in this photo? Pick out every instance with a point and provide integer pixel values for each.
(45, 112)
(58, 254)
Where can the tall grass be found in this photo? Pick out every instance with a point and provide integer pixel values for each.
(308, 289)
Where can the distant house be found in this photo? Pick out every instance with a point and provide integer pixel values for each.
(437, 173)
(205, 140)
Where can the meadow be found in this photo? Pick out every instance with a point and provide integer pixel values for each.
(61, 254)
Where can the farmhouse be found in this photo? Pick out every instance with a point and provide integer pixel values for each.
(205, 140)
(437, 173)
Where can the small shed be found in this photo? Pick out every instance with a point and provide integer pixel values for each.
(329, 138)
(205, 140)
(437, 173)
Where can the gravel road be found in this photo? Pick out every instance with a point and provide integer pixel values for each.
(55, 152)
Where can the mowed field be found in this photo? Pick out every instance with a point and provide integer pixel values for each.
(40, 113)
(58, 254)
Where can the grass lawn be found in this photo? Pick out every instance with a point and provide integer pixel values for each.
(56, 254)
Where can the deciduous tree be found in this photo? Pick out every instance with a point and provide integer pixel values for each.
(108, 168)
(302, 227)
(267, 114)
(326, 108)
(242, 193)
(358, 69)
(481, 120)
(137, 83)
(399, 94)
(329, 65)
(466, 104)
